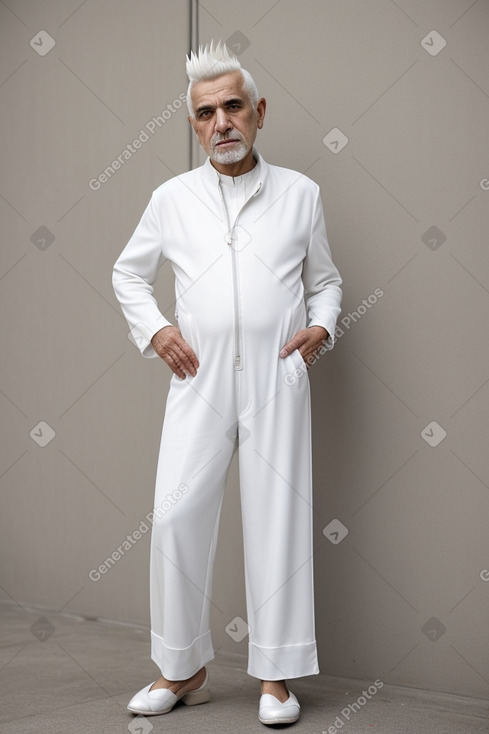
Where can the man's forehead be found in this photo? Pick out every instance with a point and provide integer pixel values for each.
(211, 90)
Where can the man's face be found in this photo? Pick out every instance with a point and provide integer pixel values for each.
(225, 120)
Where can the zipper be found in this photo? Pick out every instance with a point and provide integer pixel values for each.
(238, 346)
(237, 321)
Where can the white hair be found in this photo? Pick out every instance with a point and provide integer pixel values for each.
(211, 62)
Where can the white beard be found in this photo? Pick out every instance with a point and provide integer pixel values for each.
(230, 156)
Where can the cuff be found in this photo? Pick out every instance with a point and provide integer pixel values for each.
(141, 335)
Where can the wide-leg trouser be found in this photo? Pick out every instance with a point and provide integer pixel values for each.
(263, 411)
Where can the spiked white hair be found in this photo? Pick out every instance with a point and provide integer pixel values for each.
(213, 61)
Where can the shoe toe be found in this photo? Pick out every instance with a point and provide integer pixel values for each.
(147, 702)
(272, 711)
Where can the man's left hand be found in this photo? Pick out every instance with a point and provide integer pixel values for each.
(308, 342)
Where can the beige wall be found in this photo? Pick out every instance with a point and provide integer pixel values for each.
(415, 160)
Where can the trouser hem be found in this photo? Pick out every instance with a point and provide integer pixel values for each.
(181, 663)
(278, 663)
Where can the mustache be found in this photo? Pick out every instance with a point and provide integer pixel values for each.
(218, 138)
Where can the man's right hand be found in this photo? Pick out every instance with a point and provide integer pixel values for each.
(170, 345)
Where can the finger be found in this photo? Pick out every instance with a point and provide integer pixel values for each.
(188, 352)
(184, 362)
(312, 354)
(177, 342)
(174, 350)
(297, 341)
(175, 367)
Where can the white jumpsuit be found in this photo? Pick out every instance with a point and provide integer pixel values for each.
(244, 286)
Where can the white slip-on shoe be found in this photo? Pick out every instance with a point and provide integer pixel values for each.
(162, 700)
(272, 711)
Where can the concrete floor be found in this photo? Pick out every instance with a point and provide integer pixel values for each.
(67, 674)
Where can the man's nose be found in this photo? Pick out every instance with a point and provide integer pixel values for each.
(222, 121)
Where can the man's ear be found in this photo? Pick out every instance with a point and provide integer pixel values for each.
(261, 107)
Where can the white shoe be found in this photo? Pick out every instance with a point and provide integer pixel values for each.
(272, 711)
(162, 700)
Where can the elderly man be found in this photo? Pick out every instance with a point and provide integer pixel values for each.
(257, 298)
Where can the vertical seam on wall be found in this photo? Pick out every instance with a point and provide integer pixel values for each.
(193, 43)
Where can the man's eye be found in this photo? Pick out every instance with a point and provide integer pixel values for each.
(204, 114)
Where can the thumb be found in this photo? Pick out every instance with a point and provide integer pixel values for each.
(289, 347)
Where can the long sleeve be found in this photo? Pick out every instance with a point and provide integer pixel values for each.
(321, 279)
(134, 274)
